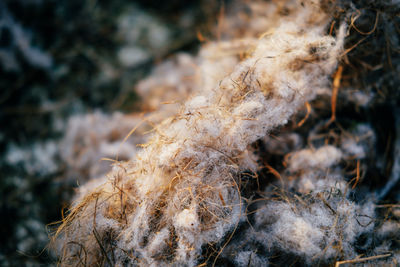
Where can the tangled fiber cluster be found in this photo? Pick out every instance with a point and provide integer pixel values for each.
(204, 188)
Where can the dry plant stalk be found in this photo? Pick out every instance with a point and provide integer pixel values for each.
(337, 264)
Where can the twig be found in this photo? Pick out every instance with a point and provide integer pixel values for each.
(338, 263)
(359, 31)
(336, 85)
(308, 106)
(357, 178)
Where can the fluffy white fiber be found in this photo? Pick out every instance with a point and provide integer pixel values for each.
(94, 137)
(322, 158)
(182, 192)
(326, 228)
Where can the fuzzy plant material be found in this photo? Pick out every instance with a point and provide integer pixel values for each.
(313, 219)
(93, 139)
(182, 191)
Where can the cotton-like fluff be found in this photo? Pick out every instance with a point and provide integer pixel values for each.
(320, 227)
(182, 191)
(387, 236)
(91, 138)
(312, 220)
(39, 158)
(171, 82)
(249, 258)
(315, 169)
(176, 79)
(322, 158)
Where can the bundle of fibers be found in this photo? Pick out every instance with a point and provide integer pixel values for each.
(182, 190)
